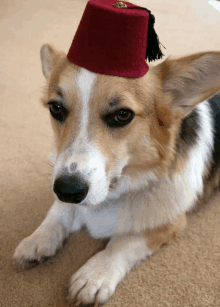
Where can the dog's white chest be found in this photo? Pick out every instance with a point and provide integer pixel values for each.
(104, 222)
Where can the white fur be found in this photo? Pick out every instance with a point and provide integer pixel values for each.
(90, 163)
(200, 155)
(85, 83)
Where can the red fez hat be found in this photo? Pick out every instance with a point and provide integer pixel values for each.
(115, 38)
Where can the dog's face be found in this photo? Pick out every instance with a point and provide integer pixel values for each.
(108, 127)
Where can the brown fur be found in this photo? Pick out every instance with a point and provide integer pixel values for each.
(165, 234)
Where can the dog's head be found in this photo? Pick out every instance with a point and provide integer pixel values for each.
(108, 127)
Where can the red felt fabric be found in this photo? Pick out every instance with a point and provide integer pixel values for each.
(111, 40)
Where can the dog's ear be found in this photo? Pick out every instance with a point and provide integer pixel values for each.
(49, 59)
(191, 79)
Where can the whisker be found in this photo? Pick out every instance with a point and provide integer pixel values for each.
(46, 175)
(37, 90)
(48, 163)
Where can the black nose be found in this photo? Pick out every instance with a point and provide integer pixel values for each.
(70, 189)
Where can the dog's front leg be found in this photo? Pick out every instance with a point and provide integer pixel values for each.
(97, 280)
(48, 237)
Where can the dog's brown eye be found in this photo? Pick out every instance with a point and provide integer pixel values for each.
(56, 108)
(123, 115)
(119, 118)
(58, 111)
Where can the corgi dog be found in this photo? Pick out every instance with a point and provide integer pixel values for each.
(132, 156)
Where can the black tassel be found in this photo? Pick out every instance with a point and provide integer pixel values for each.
(153, 44)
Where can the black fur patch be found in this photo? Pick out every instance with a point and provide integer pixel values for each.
(190, 128)
(215, 106)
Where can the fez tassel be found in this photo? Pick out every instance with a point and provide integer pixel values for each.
(153, 45)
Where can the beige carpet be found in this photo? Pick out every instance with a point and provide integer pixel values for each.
(186, 273)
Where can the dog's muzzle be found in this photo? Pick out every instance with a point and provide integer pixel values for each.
(71, 189)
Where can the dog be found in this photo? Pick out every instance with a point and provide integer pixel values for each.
(133, 155)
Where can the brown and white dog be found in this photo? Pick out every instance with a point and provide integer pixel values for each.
(132, 157)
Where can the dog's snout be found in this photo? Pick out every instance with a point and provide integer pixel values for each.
(71, 189)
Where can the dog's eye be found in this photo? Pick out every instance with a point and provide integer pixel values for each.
(122, 116)
(58, 111)
(119, 118)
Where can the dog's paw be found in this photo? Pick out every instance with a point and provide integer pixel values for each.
(36, 247)
(96, 281)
